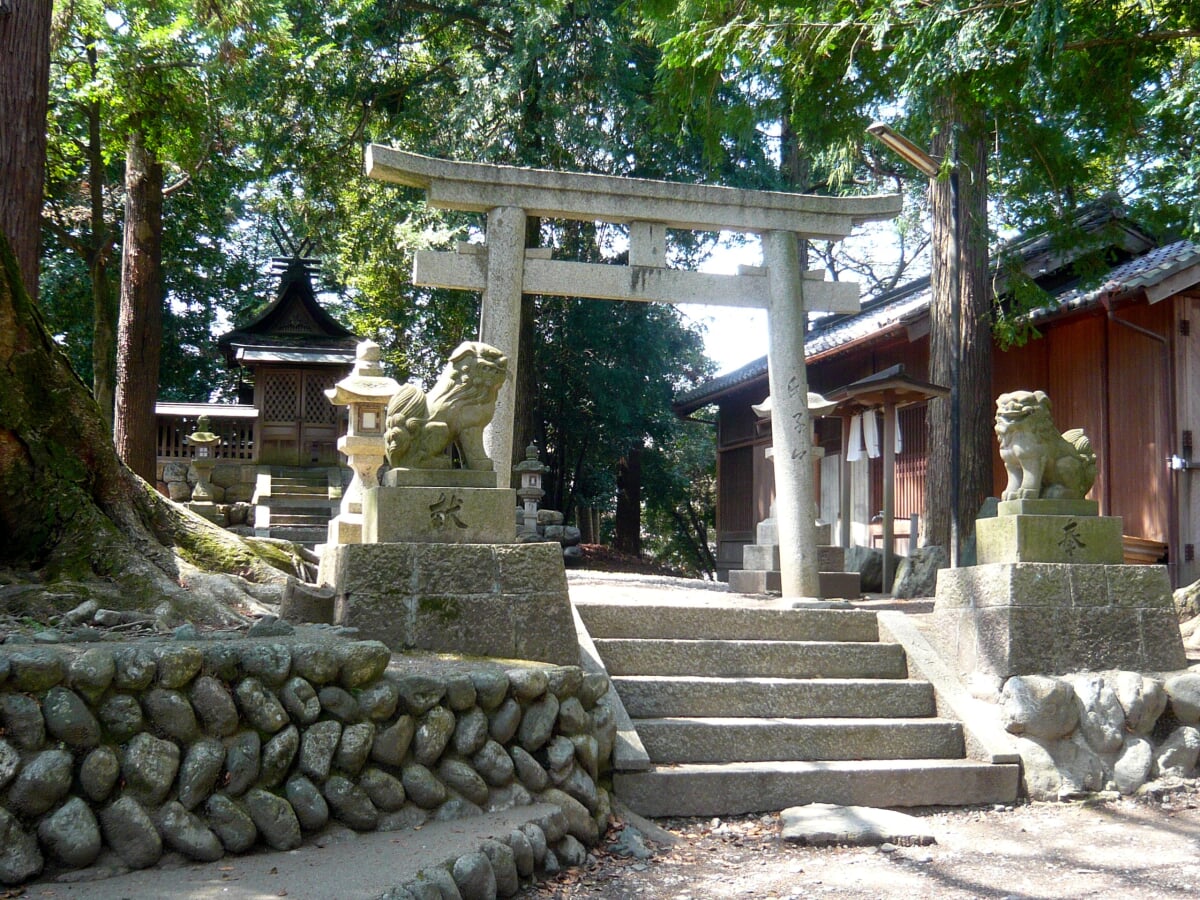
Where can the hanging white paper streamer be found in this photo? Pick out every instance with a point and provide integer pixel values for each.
(871, 434)
(854, 451)
(899, 441)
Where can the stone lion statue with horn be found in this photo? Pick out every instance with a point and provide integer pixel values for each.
(1041, 463)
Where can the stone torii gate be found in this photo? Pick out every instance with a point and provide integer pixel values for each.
(503, 269)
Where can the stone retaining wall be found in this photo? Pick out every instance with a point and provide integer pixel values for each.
(114, 755)
(231, 482)
(1102, 731)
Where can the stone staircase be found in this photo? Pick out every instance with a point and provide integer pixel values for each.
(755, 708)
(295, 503)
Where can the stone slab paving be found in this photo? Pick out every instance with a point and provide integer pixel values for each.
(827, 823)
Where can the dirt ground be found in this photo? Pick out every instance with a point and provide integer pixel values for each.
(1122, 848)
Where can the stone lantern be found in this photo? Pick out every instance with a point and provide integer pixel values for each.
(203, 442)
(366, 391)
(530, 490)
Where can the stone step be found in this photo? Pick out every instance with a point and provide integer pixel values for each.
(657, 696)
(299, 490)
(727, 622)
(301, 476)
(298, 520)
(766, 557)
(309, 535)
(719, 740)
(747, 787)
(731, 659)
(306, 503)
(831, 585)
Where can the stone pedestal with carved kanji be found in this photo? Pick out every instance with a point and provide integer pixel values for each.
(452, 506)
(439, 568)
(1050, 596)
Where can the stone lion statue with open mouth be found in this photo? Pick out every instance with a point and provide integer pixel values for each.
(424, 431)
(1041, 463)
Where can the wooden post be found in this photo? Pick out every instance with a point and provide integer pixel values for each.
(500, 325)
(791, 427)
(844, 484)
(889, 491)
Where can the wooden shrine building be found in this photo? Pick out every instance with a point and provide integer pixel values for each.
(1118, 355)
(286, 358)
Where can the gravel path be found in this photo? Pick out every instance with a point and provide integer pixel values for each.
(1147, 847)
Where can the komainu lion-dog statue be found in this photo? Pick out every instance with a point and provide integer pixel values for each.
(422, 431)
(1041, 463)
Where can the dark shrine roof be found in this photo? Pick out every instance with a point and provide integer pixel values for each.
(294, 328)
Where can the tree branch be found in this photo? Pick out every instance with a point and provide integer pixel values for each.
(183, 182)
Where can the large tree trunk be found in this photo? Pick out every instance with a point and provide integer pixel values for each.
(627, 528)
(69, 510)
(964, 123)
(72, 512)
(139, 329)
(24, 89)
(99, 254)
(104, 335)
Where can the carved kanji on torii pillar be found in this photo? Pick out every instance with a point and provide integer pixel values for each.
(503, 269)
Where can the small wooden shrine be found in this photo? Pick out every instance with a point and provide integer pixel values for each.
(287, 357)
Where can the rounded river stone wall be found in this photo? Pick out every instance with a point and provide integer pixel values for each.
(1097, 731)
(119, 754)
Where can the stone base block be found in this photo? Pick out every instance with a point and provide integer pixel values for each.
(438, 515)
(209, 511)
(346, 528)
(457, 478)
(1046, 618)
(833, 585)
(757, 556)
(497, 600)
(1047, 508)
(841, 585)
(766, 533)
(1093, 540)
(307, 603)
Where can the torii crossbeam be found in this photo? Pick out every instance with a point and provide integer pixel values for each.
(503, 269)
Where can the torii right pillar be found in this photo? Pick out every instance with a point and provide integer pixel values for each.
(791, 426)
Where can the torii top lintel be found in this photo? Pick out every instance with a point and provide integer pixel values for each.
(479, 187)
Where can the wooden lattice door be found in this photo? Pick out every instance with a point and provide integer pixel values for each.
(299, 425)
(279, 411)
(319, 424)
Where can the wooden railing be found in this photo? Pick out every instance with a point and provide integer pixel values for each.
(235, 426)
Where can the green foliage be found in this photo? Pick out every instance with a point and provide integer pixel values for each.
(1011, 323)
(607, 374)
(170, 70)
(1084, 98)
(680, 488)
